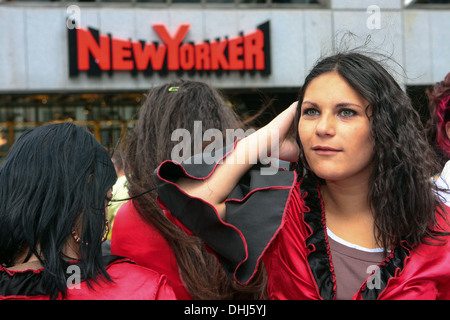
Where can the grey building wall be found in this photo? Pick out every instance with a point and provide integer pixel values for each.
(34, 41)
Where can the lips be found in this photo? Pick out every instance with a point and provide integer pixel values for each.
(325, 150)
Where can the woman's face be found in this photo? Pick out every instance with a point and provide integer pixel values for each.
(334, 129)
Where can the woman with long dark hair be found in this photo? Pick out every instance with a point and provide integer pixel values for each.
(54, 189)
(357, 218)
(141, 230)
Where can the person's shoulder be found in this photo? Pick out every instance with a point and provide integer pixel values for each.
(129, 282)
(124, 268)
(139, 282)
(127, 215)
(127, 206)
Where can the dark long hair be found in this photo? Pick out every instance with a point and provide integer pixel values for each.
(55, 179)
(167, 108)
(401, 192)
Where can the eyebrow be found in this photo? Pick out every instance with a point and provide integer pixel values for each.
(338, 105)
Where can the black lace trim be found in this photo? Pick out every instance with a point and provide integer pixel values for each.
(319, 251)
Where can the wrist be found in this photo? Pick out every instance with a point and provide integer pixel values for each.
(258, 146)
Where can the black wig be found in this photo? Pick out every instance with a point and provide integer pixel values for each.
(55, 179)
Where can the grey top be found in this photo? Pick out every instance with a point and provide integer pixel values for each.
(352, 265)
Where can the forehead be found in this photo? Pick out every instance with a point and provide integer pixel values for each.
(332, 88)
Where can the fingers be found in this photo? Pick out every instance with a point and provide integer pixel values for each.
(284, 120)
(293, 107)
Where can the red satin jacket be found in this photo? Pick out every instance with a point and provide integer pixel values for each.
(301, 266)
(131, 282)
(132, 237)
(291, 238)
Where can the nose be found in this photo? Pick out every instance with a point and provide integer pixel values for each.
(326, 125)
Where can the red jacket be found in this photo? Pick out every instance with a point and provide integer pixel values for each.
(291, 238)
(132, 237)
(131, 282)
(300, 253)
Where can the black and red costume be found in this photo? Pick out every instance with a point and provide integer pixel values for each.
(281, 221)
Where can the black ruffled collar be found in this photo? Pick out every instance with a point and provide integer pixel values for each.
(28, 283)
(319, 256)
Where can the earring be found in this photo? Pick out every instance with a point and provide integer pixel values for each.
(75, 236)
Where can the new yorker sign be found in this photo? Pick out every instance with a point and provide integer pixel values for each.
(94, 53)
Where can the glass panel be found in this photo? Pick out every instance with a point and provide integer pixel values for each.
(110, 133)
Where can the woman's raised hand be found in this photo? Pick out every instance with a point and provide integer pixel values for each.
(272, 140)
(279, 129)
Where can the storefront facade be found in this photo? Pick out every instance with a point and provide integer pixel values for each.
(91, 62)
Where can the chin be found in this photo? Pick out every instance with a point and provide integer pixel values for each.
(330, 175)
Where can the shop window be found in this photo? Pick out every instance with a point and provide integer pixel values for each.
(107, 116)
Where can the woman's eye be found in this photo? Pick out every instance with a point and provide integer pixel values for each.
(347, 113)
(310, 112)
